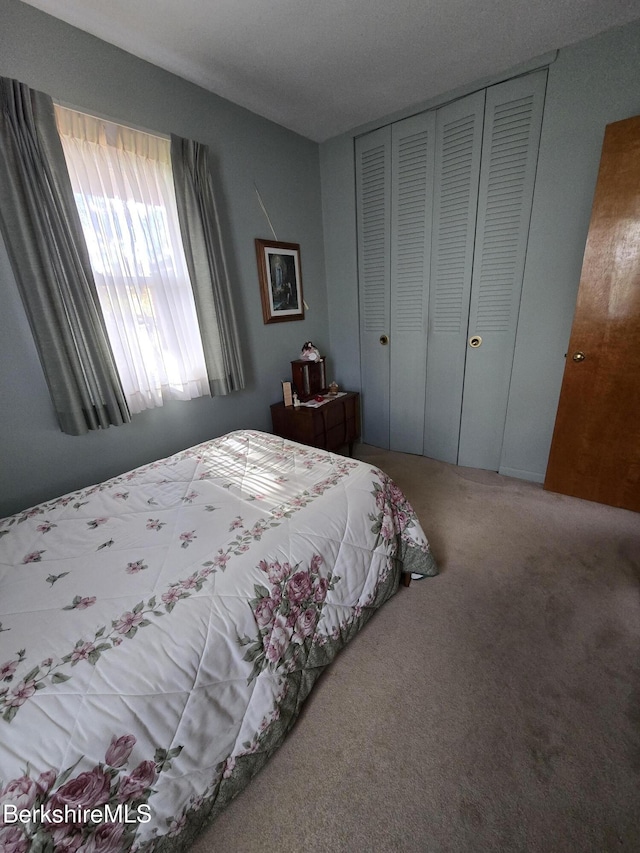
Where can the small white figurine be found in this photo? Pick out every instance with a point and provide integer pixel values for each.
(296, 400)
(310, 352)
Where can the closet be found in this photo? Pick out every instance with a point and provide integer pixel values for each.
(443, 208)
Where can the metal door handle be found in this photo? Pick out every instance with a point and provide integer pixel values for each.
(384, 340)
(578, 356)
(475, 341)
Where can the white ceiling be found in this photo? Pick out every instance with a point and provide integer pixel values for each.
(320, 67)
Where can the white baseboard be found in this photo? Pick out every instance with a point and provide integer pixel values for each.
(532, 476)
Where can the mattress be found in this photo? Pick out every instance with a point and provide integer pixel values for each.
(160, 631)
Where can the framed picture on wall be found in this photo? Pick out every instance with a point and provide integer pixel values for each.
(280, 279)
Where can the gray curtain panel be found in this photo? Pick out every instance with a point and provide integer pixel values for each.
(201, 237)
(43, 235)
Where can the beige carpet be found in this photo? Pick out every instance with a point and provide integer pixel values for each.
(495, 707)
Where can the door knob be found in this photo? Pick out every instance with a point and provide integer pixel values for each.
(579, 356)
(475, 341)
(384, 340)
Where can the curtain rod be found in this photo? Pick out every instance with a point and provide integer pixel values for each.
(102, 117)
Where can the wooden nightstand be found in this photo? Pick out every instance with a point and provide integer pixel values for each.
(330, 426)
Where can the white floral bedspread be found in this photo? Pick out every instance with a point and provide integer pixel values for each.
(160, 631)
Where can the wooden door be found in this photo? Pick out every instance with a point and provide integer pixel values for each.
(595, 451)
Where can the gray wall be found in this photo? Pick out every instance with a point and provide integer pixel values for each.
(37, 461)
(590, 85)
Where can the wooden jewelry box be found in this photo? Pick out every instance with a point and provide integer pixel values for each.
(309, 377)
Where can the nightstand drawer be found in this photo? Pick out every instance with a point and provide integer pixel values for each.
(330, 426)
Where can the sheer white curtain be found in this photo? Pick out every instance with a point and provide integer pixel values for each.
(123, 186)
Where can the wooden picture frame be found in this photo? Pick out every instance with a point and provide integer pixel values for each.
(280, 279)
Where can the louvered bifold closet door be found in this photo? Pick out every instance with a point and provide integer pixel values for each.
(457, 173)
(513, 120)
(373, 191)
(413, 149)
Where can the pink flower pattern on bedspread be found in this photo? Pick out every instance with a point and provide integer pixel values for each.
(287, 613)
(96, 810)
(221, 580)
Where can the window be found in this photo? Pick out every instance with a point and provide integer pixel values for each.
(123, 187)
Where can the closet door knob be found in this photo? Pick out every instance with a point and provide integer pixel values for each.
(384, 340)
(578, 356)
(475, 341)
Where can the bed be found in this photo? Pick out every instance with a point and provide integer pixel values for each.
(160, 631)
